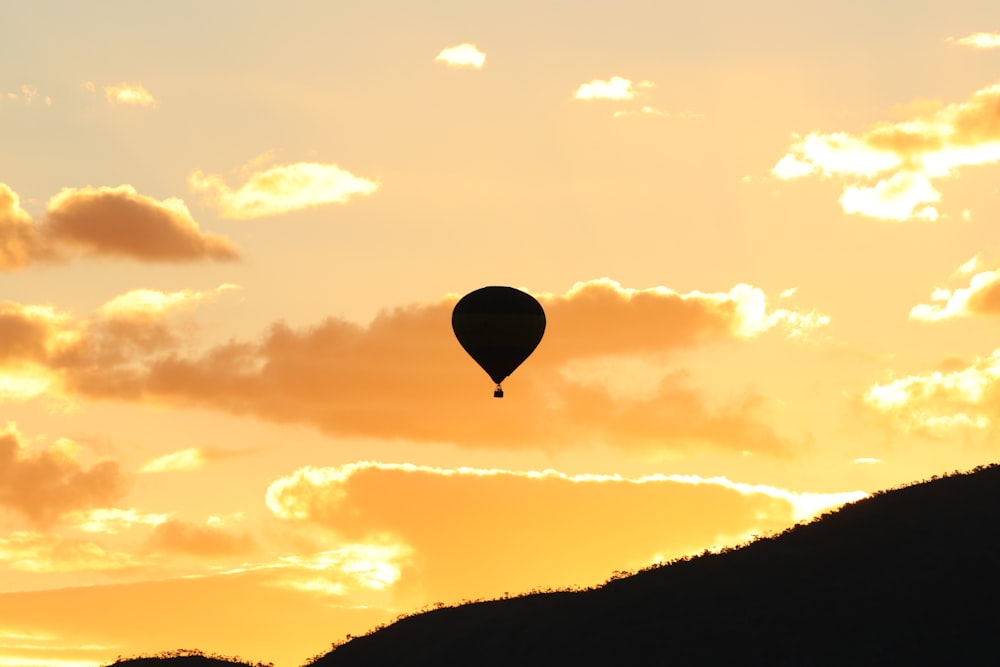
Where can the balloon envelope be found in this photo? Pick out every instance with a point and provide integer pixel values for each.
(499, 327)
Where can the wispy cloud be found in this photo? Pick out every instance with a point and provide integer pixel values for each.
(656, 112)
(48, 554)
(281, 188)
(903, 159)
(979, 40)
(192, 458)
(111, 521)
(185, 459)
(462, 55)
(26, 95)
(149, 302)
(376, 564)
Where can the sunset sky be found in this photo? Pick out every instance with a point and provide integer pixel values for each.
(233, 415)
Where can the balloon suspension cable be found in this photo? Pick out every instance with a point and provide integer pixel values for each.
(498, 392)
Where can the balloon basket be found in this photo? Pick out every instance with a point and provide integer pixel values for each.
(498, 392)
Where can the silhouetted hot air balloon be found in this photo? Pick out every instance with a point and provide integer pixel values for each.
(499, 327)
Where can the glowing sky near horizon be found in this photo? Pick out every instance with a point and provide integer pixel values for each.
(231, 235)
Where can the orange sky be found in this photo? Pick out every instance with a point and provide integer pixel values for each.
(233, 415)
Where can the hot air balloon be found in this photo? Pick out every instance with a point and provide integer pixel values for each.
(499, 327)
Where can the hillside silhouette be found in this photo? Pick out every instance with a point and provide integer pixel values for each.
(185, 658)
(908, 576)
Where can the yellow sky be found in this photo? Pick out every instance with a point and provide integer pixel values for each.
(233, 415)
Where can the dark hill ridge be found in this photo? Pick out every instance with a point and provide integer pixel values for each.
(909, 576)
(185, 658)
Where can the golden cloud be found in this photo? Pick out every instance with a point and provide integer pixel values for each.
(903, 158)
(186, 459)
(281, 189)
(615, 88)
(204, 541)
(375, 565)
(30, 333)
(979, 40)
(463, 55)
(19, 241)
(27, 94)
(902, 196)
(43, 485)
(30, 338)
(404, 375)
(41, 347)
(121, 222)
(19, 385)
(34, 552)
(192, 458)
(132, 94)
(647, 110)
(938, 401)
(141, 303)
(652, 319)
(981, 297)
(106, 222)
(143, 617)
(526, 529)
(111, 521)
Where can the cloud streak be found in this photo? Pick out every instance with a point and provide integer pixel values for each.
(45, 554)
(650, 111)
(979, 40)
(192, 458)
